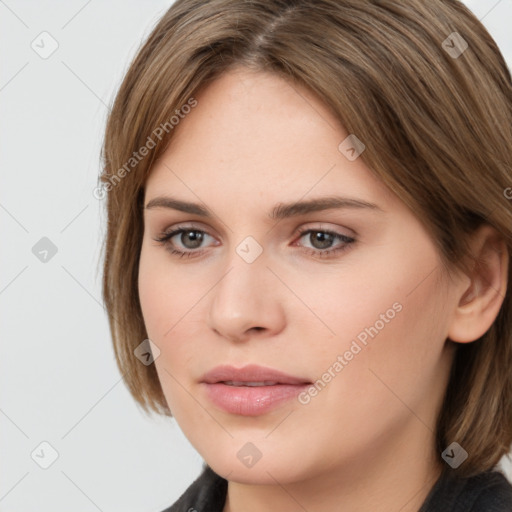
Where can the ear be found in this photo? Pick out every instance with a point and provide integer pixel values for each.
(480, 301)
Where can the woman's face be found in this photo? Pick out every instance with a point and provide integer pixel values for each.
(364, 310)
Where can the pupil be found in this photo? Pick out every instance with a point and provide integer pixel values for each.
(196, 238)
(325, 239)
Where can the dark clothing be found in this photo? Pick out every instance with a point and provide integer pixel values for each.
(485, 492)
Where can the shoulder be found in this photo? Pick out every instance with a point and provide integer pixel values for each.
(489, 491)
(206, 493)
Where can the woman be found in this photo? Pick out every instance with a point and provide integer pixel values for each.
(307, 256)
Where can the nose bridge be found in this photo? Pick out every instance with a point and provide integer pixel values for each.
(245, 297)
(247, 269)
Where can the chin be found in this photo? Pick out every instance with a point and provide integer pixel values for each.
(263, 472)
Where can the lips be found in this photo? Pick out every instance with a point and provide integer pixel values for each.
(251, 375)
(252, 390)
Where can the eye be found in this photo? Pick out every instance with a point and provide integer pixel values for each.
(191, 239)
(323, 239)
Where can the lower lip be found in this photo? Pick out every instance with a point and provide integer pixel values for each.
(251, 400)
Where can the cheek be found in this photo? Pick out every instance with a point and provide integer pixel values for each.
(397, 367)
(173, 307)
(389, 323)
(164, 298)
(345, 303)
(410, 362)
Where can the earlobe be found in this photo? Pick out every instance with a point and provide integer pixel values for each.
(479, 302)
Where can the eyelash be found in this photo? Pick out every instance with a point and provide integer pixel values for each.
(165, 238)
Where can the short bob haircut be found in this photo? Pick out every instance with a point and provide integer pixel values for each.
(436, 123)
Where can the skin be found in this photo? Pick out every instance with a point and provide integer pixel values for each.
(366, 441)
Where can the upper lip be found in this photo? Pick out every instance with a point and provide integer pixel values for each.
(250, 373)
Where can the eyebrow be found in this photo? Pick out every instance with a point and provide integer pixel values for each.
(280, 211)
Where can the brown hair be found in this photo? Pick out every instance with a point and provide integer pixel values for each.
(437, 128)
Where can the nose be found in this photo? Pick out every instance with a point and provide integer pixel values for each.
(247, 301)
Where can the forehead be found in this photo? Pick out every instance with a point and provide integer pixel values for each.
(257, 135)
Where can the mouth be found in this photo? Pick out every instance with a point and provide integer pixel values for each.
(252, 390)
(251, 384)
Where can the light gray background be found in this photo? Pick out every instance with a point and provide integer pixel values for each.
(58, 378)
